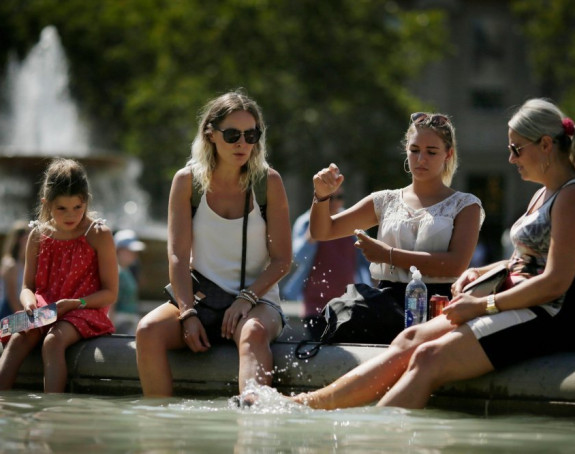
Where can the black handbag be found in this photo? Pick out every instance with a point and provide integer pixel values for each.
(211, 301)
(363, 314)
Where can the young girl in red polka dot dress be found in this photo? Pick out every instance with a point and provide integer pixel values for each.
(70, 261)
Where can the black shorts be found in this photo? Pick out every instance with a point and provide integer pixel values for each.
(214, 328)
(510, 337)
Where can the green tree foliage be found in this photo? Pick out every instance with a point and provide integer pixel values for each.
(332, 76)
(548, 26)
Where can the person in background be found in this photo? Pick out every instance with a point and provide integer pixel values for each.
(533, 315)
(12, 268)
(323, 269)
(228, 158)
(126, 312)
(70, 261)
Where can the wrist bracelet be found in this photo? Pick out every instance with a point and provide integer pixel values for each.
(187, 314)
(249, 295)
(246, 298)
(491, 308)
(391, 266)
(82, 304)
(317, 199)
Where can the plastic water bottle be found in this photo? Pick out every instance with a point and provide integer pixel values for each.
(415, 299)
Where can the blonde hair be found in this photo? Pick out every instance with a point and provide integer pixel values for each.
(203, 157)
(446, 132)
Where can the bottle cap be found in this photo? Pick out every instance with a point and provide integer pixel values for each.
(416, 274)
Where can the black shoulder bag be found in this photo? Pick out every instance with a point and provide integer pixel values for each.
(363, 314)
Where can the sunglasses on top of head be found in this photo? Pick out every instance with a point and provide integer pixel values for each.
(432, 119)
(232, 135)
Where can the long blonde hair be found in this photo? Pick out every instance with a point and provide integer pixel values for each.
(203, 158)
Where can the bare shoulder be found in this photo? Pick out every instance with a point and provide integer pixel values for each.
(182, 181)
(565, 200)
(274, 175)
(99, 235)
(275, 184)
(184, 172)
(274, 179)
(34, 238)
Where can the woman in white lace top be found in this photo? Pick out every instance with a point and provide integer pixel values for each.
(426, 224)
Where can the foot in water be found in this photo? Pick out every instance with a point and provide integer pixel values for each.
(245, 400)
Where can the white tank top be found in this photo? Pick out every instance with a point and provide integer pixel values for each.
(217, 248)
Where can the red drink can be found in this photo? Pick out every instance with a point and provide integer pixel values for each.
(436, 305)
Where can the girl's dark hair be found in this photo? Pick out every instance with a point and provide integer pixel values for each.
(63, 177)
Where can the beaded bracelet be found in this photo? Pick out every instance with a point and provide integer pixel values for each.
(187, 314)
(249, 295)
(246, 298)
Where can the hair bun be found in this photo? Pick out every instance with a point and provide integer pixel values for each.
(568, 126)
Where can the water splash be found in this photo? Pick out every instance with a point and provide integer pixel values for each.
(263, 399)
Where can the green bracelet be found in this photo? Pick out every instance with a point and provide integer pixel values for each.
(82, 303)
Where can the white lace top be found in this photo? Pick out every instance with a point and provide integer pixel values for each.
(426, 229)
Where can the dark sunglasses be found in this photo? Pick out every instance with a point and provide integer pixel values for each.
(433, 120)
(516, 150)
(232, 135)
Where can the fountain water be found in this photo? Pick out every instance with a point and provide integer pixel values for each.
(42, 121)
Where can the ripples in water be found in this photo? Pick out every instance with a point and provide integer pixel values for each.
(67, 423)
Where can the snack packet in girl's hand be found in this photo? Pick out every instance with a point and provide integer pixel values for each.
(22, 321)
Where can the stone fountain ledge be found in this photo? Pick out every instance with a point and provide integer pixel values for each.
(107, 366)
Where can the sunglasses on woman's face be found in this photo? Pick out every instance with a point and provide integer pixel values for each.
(516, 150)
(232, 135)
(433, 120)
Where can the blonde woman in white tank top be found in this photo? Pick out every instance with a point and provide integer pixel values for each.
(228, 157)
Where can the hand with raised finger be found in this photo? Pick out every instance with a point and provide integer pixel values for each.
(327, 181)
(372, 249)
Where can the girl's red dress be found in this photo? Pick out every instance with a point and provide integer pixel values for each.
(69, 269)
